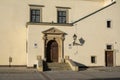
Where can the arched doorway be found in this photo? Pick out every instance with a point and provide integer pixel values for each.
(54, 45)
(52, 51)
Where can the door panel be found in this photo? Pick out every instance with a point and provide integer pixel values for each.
(54, 52)
(109, 58)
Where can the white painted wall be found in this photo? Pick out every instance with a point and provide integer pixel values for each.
(13, 18)
(14, 34)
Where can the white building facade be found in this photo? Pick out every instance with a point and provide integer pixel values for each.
(86, 31)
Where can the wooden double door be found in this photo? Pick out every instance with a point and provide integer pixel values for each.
(109, 58)
(52, 51)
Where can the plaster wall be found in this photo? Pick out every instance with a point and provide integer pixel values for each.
(14, 34)
(95, 33)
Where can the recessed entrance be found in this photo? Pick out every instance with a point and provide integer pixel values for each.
(109, 58)
(54, 45)
(52, 51)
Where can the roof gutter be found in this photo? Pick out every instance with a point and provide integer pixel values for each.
(94, 12)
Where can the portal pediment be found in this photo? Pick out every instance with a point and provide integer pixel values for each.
(53, 31)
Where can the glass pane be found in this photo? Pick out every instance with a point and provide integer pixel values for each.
(32, 11)
(35, 15)
(109, 46)
(38, 12)
(64, 13)
(59, 19)
(37, 18)
(59, 13)
(64, 19)
(33, 19)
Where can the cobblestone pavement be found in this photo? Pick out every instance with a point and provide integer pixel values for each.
(22, 73)
(13, 73)
(83, 75)
(102, 69)
(102, 73)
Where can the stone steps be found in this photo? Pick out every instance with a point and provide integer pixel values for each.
(58, 66)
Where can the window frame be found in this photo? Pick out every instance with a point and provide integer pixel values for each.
(66, 16)
(109, 48)
(93, 59)
(34, 13)
(109, 23)
(36, 7)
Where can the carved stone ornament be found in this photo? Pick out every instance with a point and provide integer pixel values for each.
(53, 31)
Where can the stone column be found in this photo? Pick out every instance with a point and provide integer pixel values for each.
(45, 45)
(62, 41)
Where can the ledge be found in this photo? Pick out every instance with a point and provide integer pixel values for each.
(36, 5)
(63, 7)
(48, 23)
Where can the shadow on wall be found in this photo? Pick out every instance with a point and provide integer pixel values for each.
(82, 67)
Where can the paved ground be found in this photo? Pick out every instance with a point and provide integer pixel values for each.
(19, 74)
(13, 73)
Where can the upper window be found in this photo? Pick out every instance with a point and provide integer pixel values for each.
(108, 24)
(34, 15)
(109, 47)
(61, 16)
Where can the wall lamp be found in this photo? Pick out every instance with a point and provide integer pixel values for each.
(81, 40)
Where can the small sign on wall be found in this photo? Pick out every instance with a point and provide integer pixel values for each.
(35, 45)
(70, 46)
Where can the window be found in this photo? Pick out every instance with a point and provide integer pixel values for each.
(93, 59)
(35, 15)
(108, 24)
(109, 47)
(62, 15)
